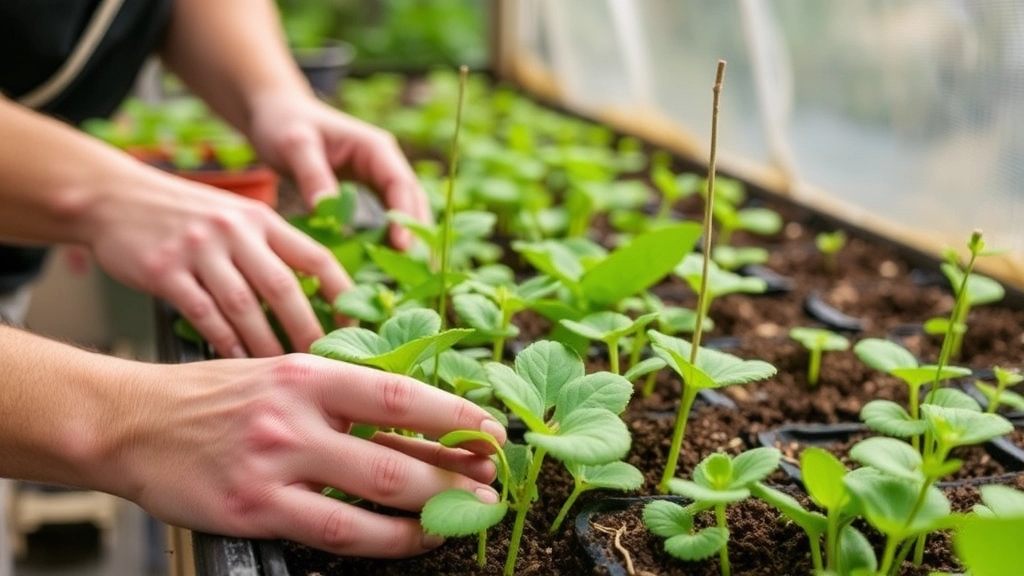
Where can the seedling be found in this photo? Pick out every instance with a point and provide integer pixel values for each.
(970, 290)
(817, 341)
(708, 369)
(491, 307)
(673, 187)
(829, 244)
(612, 476)
(730, 217)
(998, 395)
(469, 232)
(609, 328)
(596, 280)
(715, 282)
(402, 344)
(717, 482)
(889, 357)
(570, 415)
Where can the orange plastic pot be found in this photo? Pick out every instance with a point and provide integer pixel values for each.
(256, 182)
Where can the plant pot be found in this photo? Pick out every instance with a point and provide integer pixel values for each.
(325, 67)
(789, 438)
(257, 182)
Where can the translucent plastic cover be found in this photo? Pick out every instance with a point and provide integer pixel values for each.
(901, 115)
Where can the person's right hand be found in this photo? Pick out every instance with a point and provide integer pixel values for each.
(215, 257)
(244, 447)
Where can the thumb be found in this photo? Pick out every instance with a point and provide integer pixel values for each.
(304, 157)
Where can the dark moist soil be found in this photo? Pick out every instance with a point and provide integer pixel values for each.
(761, 542)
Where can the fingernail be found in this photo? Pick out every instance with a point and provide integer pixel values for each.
(494, 428)
(238, 352)
(487, 495)
(432, 540)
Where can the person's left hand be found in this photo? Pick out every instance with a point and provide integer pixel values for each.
(314, 143)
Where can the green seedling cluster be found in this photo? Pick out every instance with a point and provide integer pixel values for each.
(571, 416)
(718, 481)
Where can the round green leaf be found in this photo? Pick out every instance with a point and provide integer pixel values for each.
(588, 436)
(754, 465)
(459, 513)
(548, 366)
(889, 455)
(884, 355)
(613, 476)
(890, 418)
(667, 519)
(823, 476)
(703, 544)
(705, 494)
(598, 390)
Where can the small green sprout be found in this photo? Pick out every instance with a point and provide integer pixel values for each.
(717, 482)
(817, 341)
(829, 244)
(610, 328)
(719, 282)
(999, 395)
(673, 187)
(504, 299)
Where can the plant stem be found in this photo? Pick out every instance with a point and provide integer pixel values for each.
(888, 554)
(723, 554)
(522, 507)
(814, 367)
(815, 541)
(689, 395)
(832, 539)
(613, 356)
(481, 549)
(649, 384)
(576, 491)
(449, 208)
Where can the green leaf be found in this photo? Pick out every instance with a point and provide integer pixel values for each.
(714, 368)
(754, 465)
(588, 436)
(884, 355)
(927, 373)
(952, 398)
(811, 522)
(889, 455)
(404, 269)
(351, 344)
(697, 546)
(409, 325)
(482, 314)
(890, 418)
(640, 264)
(705, 494)
(667, 519)
(819, 339)
(612, 476)
(552, 258)
(855, 552)
(362, 303)
(598, 390)
(548, 366)
(823, 476)
(601, 326)
(760, 220)
(1005, 501)
(522, 398)
(888, 503)
(644, 367)
(714, 471)
(458, 512)
(990, 546)
(403, 359)
(1006, 397)
(958, 427)
(458, 437)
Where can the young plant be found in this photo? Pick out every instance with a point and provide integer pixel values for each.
(889, 357)
(609, 328)
(998, 395)
(598, 281)
(715, 282)
(829, 244)
(717, 482)
(673, 187)
(402, 344)
(970, 290)
(817, 341)
(708, 369)
(571, 415)
(731, 217)
(491, 306)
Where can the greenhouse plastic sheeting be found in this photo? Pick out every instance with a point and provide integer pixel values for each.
(903, 115)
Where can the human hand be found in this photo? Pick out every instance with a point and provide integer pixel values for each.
(307, 139)
(213, 255)
(244, 447)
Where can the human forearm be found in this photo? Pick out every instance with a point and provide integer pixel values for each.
(62, 411)
(232, 53)
(52, 177)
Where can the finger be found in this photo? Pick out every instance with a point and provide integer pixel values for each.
(479, 468)
(309, 257)
(198, 307)
(305, 158)
(277, 285)
(238, 304)
(361, 394)
(381, 474)
(326, 524)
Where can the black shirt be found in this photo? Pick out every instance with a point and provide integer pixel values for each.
(36, 37)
